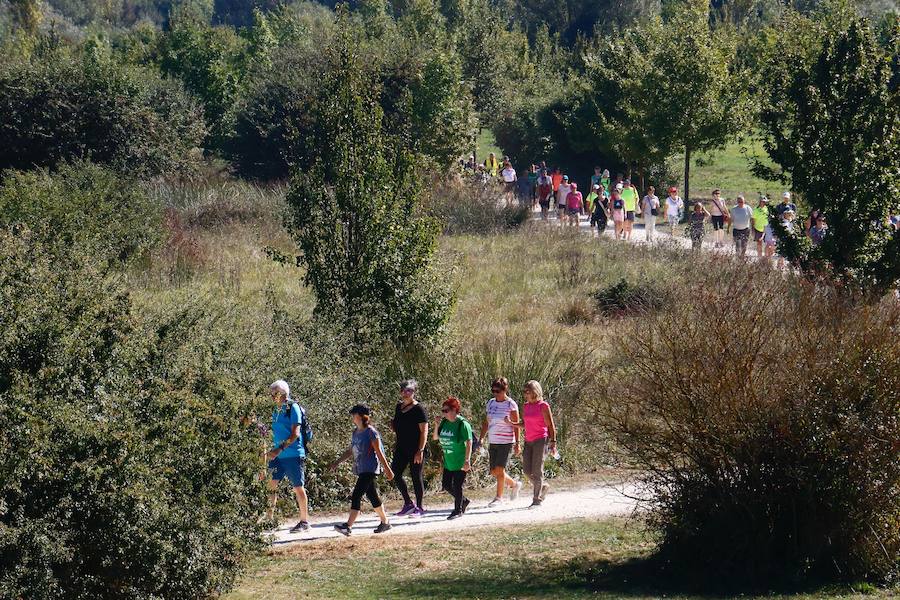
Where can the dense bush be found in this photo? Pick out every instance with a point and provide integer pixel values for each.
(764, 416)
(83, 206)
(627, 298)
(465, 206)
(59, 108)
(125, 470)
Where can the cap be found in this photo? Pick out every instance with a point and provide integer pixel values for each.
(673, 189)
(574, 186)
(360, 409)
(566, 177)
(763, 199)
(786, 195)
(620, 187)
(596, 187)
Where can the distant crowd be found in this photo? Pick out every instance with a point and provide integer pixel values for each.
(617, 200)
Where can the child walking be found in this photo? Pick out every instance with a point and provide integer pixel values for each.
(455, 434)
(368, 461)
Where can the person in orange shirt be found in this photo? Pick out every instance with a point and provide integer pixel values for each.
(556, 177)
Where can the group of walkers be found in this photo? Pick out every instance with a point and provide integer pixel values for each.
(619, 201)
(503, 427)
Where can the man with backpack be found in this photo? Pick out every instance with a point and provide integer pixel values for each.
(291, 433)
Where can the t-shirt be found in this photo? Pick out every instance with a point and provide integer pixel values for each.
(364, 458)
(717, 207)
(509, 174)
(453, 436)
(629, 197)
(817, 235)
(740, 217)
(499, 431)
(406, 426)
(650, 202)
(574, 200)
(556, 178)
(564, 189)
(283, 421)
(760, 218)
(535, 425)
(674, 205)
(595, 180)
(545, 187)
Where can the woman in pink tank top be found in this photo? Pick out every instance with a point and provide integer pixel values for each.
(540, 433)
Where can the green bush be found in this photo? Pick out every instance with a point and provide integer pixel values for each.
(764, 417)
(626, 298)
(83, 206)
(59, 108)
(125, 470)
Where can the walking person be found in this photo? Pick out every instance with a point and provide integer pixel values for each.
(455, 435)
(718, 214)
(697, 225)
(818, 231)
(502, 437)
(410, 424)
(604, 182)
(540, 437)
(557, 178)
(741, 218)
(785, 205)
(545, 194)
(491, 165)
(618, 214)
(674, 209)
(760, 222)
(508, 174)
(368, 462)
(574, 204)
(562, 198)
(532, 187)
(649, 210)
(630, 198)
(596, 177)
(599, 211)
(287, 458)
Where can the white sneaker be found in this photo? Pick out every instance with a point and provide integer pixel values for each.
(495, 502)
(514, 490)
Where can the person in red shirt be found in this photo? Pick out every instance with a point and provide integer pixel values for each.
(557, 177)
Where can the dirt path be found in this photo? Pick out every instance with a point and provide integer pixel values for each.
(592, 501)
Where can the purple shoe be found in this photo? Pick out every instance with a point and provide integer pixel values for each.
(417, 512)
(407, 508)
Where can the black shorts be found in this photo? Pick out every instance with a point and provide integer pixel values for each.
(629, 215)
(758, 235)
(498, 455)
(718, 222)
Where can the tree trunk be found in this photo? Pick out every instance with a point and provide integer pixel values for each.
(687, 177)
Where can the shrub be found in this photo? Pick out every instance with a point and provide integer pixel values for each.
(59, 108)
(765, 420)
(82, 206)
(625, 298)
(125, 471)
(469, 207)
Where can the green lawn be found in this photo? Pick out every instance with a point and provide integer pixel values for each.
(728, 169)
(573, 559)
(486, 143)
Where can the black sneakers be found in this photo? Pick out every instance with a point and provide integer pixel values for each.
(382, 527)
(454, 515)
(301, 526)
(465, 505)
(343, 528)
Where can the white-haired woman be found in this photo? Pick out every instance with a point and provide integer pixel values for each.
(540, 434)
(287, 458)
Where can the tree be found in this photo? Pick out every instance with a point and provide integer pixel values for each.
(368, 254)
(693, 98)
(833, 125)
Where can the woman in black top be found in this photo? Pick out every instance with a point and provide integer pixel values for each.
(410, 423)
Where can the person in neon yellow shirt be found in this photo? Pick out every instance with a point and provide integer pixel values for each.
(491, 165)
(760, 220)
(629, 198)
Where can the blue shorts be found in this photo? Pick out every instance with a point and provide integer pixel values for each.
(293, 467)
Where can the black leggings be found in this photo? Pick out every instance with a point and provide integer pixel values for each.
(453, 482)
(365, 484)
(398, 466)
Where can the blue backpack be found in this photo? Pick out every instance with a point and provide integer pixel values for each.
(306, 432)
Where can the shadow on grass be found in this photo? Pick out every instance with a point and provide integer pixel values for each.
(638, 577)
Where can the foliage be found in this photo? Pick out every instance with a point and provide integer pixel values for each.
(60, 108)
(471, 207)
(85, 208)
(767, 436)
(367, 252)
(833, 126)
(627, 298)
(125, 470)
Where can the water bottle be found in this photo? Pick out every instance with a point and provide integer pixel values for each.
(556, 455)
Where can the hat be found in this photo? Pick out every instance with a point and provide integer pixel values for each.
(763, 199)
(786, 195)
(566, 177)
(673, 189)
(574, 186)
(596, 187)
(620, 187)
(360, 409)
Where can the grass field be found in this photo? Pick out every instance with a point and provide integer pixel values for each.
(573, 559)
(729, 170)
(486, 143)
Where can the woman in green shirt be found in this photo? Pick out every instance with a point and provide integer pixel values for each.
(455, 434)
